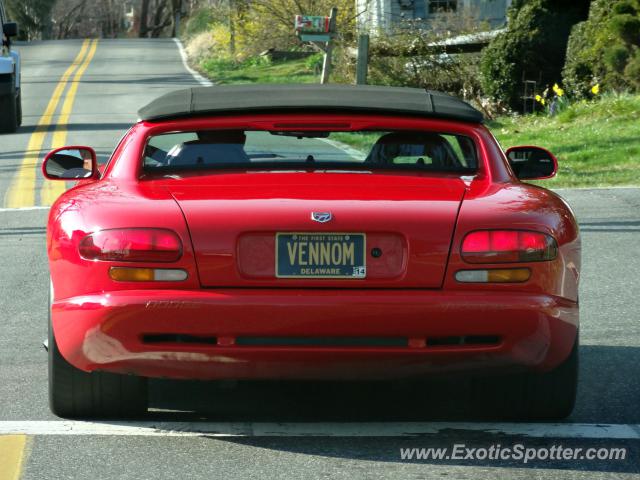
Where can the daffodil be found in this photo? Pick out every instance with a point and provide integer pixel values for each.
(558, 91)
(595, 89)
(540, 99)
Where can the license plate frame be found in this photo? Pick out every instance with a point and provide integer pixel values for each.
(357, 271)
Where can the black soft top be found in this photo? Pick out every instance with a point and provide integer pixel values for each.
(233, 99)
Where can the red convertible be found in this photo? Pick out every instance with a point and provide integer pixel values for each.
(309, 232)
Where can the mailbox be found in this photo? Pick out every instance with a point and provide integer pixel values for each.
(312, 24)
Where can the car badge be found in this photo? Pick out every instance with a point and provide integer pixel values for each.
(321, 217)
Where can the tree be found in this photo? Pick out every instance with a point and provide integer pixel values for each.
(156, 16)
(87, 18)
(33, 17)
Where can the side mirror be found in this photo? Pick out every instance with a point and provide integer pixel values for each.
(532, 163)
(71, 163)
(10, 29)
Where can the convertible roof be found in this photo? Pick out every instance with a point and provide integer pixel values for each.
(304, 98)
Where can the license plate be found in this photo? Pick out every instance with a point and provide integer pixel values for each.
(321, 255)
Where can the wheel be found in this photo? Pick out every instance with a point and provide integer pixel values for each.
(552, 395)
(8, 113)
(531, 396)
(74, 393)
(19, 109)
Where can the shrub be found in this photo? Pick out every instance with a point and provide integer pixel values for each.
(616, 57)
(533, 47)
(199, 22)
(602, 48)
(406, 56)
(200, 47)
(627, 27)
(314, 62)
(624, 6)
(632, 70)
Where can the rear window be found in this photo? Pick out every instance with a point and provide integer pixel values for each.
(227, 149)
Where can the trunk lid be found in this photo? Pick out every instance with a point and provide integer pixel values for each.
(408, 221)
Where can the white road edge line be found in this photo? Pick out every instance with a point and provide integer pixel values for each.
(367, 429)
(185, 61)
(24, 209)
(352, 152)
(612, 187)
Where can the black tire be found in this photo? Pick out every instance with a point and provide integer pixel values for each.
(8, 113)
(552, 395)
(19, 109)
(74, 393)
(532, 396)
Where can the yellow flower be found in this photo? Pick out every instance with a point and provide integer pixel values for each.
(595, 89)
(539, 98)
(558, 91)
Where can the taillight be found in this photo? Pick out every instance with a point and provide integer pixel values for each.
(132, 245)
(508, 246)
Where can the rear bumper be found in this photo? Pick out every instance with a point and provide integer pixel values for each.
(242, 333)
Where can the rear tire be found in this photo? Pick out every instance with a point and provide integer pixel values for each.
(74, 393)
(8, 113)
(552, 395)
(532, 396)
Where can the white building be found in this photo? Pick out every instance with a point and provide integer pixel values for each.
(387, 14)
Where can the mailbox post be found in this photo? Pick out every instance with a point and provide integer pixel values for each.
(320, 32)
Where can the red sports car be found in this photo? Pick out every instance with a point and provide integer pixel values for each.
(309, 232)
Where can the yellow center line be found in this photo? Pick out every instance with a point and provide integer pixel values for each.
(12, 448)
(22, 191)
(52, 190)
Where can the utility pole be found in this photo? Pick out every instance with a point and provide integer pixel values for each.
(328, 52)
(362, 67)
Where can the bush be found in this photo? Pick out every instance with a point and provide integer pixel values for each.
(533, 47)
(627, 27)
(314, 62)
(199, 22)
(632, 71)
(406, 56)
(601, 49)
(200, 47)
(625, 6)
(616, 57)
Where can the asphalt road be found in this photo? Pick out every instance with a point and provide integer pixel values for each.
(123, 75)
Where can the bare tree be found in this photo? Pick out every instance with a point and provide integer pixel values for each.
(34, 17)
(86, 18)
(156, 16)
(67, 15)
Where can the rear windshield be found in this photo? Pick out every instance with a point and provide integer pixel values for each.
(232, 149)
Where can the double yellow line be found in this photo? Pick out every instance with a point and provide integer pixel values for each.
(22, 191)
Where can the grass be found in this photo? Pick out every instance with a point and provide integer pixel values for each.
(597, 143)
(259, 70)
(362, 141)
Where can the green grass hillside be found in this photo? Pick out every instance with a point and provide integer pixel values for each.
(597, 143)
